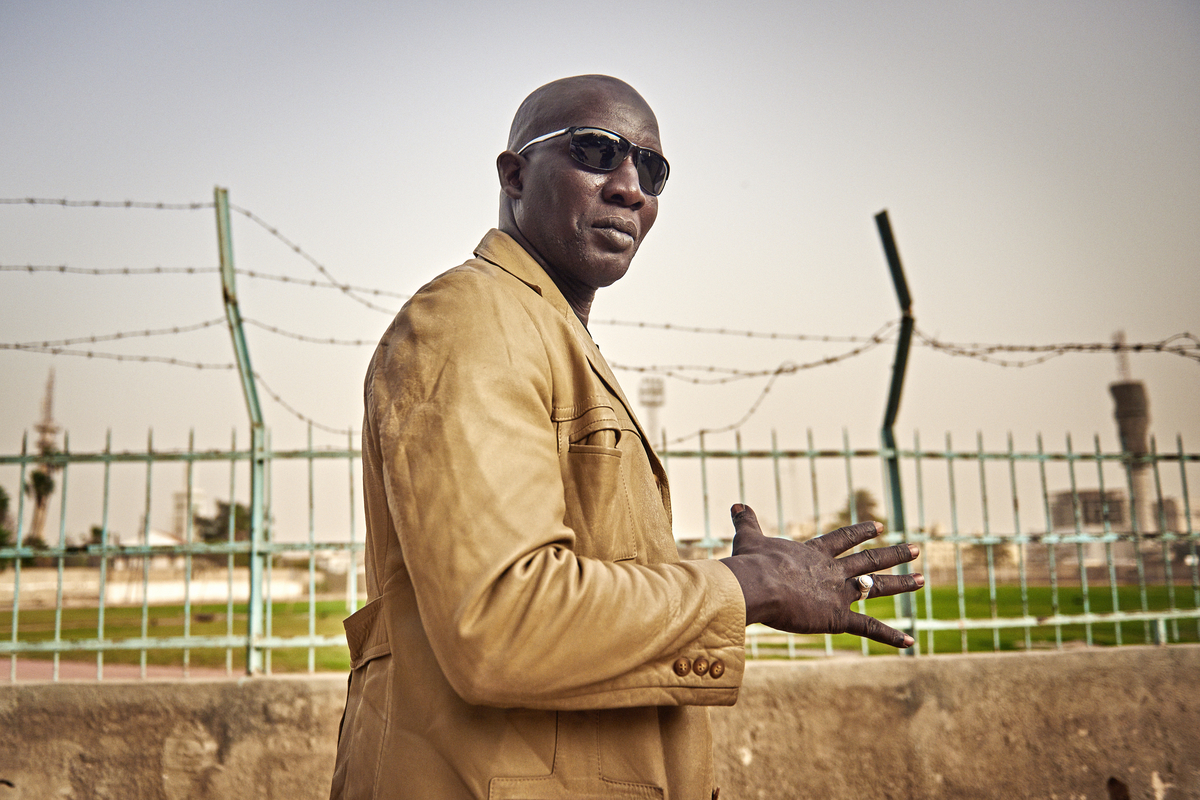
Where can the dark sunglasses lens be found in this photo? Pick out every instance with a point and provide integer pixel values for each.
(652, 171)
(598, 149)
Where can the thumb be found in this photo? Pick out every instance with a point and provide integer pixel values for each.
(745, 521)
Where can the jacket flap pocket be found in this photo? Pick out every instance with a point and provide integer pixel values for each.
(598, 418)
(366, 633)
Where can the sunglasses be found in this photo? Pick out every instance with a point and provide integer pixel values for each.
(604, 150)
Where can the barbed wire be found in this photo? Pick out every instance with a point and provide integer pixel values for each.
(63, 268)
(299, 415)
(786, 368)
(109, 337)
(745, 417)
(1180, 344)
(741, 333)
(62, 351)
(311, 339)
(49, 201)
(249, 273)
(178, 362)
(350, 291)
(346, 289)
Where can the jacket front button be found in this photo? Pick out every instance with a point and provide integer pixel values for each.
(716, 669)
(682, 666)
(700, 665)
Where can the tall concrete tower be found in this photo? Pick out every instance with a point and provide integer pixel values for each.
(1132, 412)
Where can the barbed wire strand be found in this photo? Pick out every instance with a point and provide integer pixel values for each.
(1181, 344)
(310, 339)
(109, 337)
(51, 201)
(748, 334)
(62, 351)
(745, 417)
(63, 268)
(346, 289)
(786, 368)
(249, 273)
(178, 362)
(299, 415)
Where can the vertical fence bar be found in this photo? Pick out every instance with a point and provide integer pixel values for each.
(812, 471)
(268, 538)
(1167, 536)
(1079, 551)
(1191, 533)
(816, 501)
(103, 553)
(778, 485)
(1113, 585)
(312, 576)
(233, 315)
(145, 612)
(189, 532)
(927, 591)
(852, 505)
(1051, 562)
(16, 609)
(1136, 527)
(957, 537)
(989, 548)
(352, 578)
(1020, 540)
(62, 543)
(231, 538)
(737, 440)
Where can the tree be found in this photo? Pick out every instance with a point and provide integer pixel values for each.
(39, 486)
(215, 529)
(6, 533)
(864, 509)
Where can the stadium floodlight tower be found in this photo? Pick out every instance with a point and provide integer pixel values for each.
(652, 395)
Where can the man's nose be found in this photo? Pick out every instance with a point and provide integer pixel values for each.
(623, 186)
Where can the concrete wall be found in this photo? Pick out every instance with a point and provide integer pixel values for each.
(1097, 724)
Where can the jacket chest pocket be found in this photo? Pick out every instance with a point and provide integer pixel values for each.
(594, 453)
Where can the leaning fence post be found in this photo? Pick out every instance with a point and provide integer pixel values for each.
(895, 496)
(254, 623)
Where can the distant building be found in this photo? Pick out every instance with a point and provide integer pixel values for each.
(1112, 508)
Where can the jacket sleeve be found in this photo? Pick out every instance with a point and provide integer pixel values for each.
(459, 403)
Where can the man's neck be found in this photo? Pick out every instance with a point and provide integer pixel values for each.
(578, 297)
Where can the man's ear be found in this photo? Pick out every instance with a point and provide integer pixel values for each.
(508, 167)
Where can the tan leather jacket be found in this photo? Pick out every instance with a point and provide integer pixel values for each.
(531, 633)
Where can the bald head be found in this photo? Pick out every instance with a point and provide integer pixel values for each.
(583, 224)
(565, 102)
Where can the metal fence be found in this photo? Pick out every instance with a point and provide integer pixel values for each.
(1021, 549)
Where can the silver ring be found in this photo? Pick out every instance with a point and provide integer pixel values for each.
(865, 582)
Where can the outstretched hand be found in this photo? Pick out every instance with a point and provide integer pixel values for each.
(802, 587)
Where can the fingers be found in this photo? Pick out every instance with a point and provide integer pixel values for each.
(873, 629)
(888, 585)
(841, 540)
(878, 558)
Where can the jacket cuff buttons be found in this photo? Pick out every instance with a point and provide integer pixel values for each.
(701, 666)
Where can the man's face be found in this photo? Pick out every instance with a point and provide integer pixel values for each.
(586, 224)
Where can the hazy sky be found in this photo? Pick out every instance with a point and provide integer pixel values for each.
(1039, 160)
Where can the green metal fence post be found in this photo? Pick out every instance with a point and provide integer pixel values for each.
(254, 622)
(895, 495)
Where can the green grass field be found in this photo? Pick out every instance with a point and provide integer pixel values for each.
(291, 619)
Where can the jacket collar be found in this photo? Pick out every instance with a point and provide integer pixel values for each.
(502, 250)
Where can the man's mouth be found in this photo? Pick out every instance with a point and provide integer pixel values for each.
(621, 224)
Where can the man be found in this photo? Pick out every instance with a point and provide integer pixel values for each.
(532, 632)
